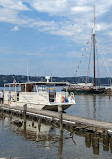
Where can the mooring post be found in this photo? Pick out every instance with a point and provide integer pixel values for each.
(60, 114)
(60, 148)
(1, 112)
(88, 139)
(24, 111)
(111, 144)
(39, 124)
(32, 121)
(106, 141)
(95, 144)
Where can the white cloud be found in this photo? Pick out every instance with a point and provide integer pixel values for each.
(50, 6)
(15, 28)
(7, 15)
(80, 9)
(76, 16)
(13, 4)
(109, 33)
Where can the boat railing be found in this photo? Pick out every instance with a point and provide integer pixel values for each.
(39, 96)
(60, 96)
(25, 97)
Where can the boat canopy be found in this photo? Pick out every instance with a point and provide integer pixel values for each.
(38, 84)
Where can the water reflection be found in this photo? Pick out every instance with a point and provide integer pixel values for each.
(94, 106)
(49, 136)
(60, 148)
(88, 139)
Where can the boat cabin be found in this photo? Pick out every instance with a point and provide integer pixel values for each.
(41, 94)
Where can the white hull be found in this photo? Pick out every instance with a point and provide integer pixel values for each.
(53, 107)
(40, 100)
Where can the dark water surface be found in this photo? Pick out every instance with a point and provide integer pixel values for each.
(35, 140)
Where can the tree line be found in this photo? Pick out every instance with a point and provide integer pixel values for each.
(81, 79)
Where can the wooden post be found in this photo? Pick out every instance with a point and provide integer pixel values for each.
(1, 113)
(105, 141)
(95, 144)
(60, 114)
(88, 139)
(60, 148)
(111, 144)
(24, 112)
(24, 116)
(32, 122)
(10, 116)
(71, 130)
(39, 125)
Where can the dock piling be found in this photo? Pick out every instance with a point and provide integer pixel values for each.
(105, 141)
(24, 113)
(60, 148)
(95, 144)
(60, 114)
(111, 144)
(39, 124)
(88, 139)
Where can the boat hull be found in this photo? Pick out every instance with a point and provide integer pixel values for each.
(52, 106)
(87, 91)
(55, 107)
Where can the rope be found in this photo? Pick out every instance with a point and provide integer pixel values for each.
(88, 70)
(98, 70)
(104, 61)
(79, 65)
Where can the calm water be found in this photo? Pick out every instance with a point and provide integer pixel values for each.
(92, 106)
(43, 141)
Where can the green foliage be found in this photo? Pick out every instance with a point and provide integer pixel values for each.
(22, 78)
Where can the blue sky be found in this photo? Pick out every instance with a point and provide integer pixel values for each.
(51, 35)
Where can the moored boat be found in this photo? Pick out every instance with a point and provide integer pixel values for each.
(83, 88)
(38, 95)
(88, 88)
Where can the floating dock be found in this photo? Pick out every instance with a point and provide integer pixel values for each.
(88, 125)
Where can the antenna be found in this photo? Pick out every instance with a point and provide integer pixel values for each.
(47, 78)
(27, 72)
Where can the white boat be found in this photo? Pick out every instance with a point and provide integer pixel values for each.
(38, 95)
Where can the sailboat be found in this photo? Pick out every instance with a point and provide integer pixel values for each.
(89, 88)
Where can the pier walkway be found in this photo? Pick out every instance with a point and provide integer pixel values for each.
(70, 120)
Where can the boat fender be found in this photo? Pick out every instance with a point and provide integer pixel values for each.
(63, 99)
(66, 100)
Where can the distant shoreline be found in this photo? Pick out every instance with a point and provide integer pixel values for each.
(80, 79)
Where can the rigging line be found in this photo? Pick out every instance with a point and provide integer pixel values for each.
(98, 70)
(104, 60)
(97, 63)
(82, 55)
(83, 79)
(88, 70)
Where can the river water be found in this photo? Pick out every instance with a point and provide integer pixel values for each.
(35, 140)
(97, 107)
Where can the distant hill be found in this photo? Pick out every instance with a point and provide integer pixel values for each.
(23, 78)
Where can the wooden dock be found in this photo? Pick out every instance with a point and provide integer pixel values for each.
(76, 122)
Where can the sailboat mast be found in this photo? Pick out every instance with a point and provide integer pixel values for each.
(93, 34)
